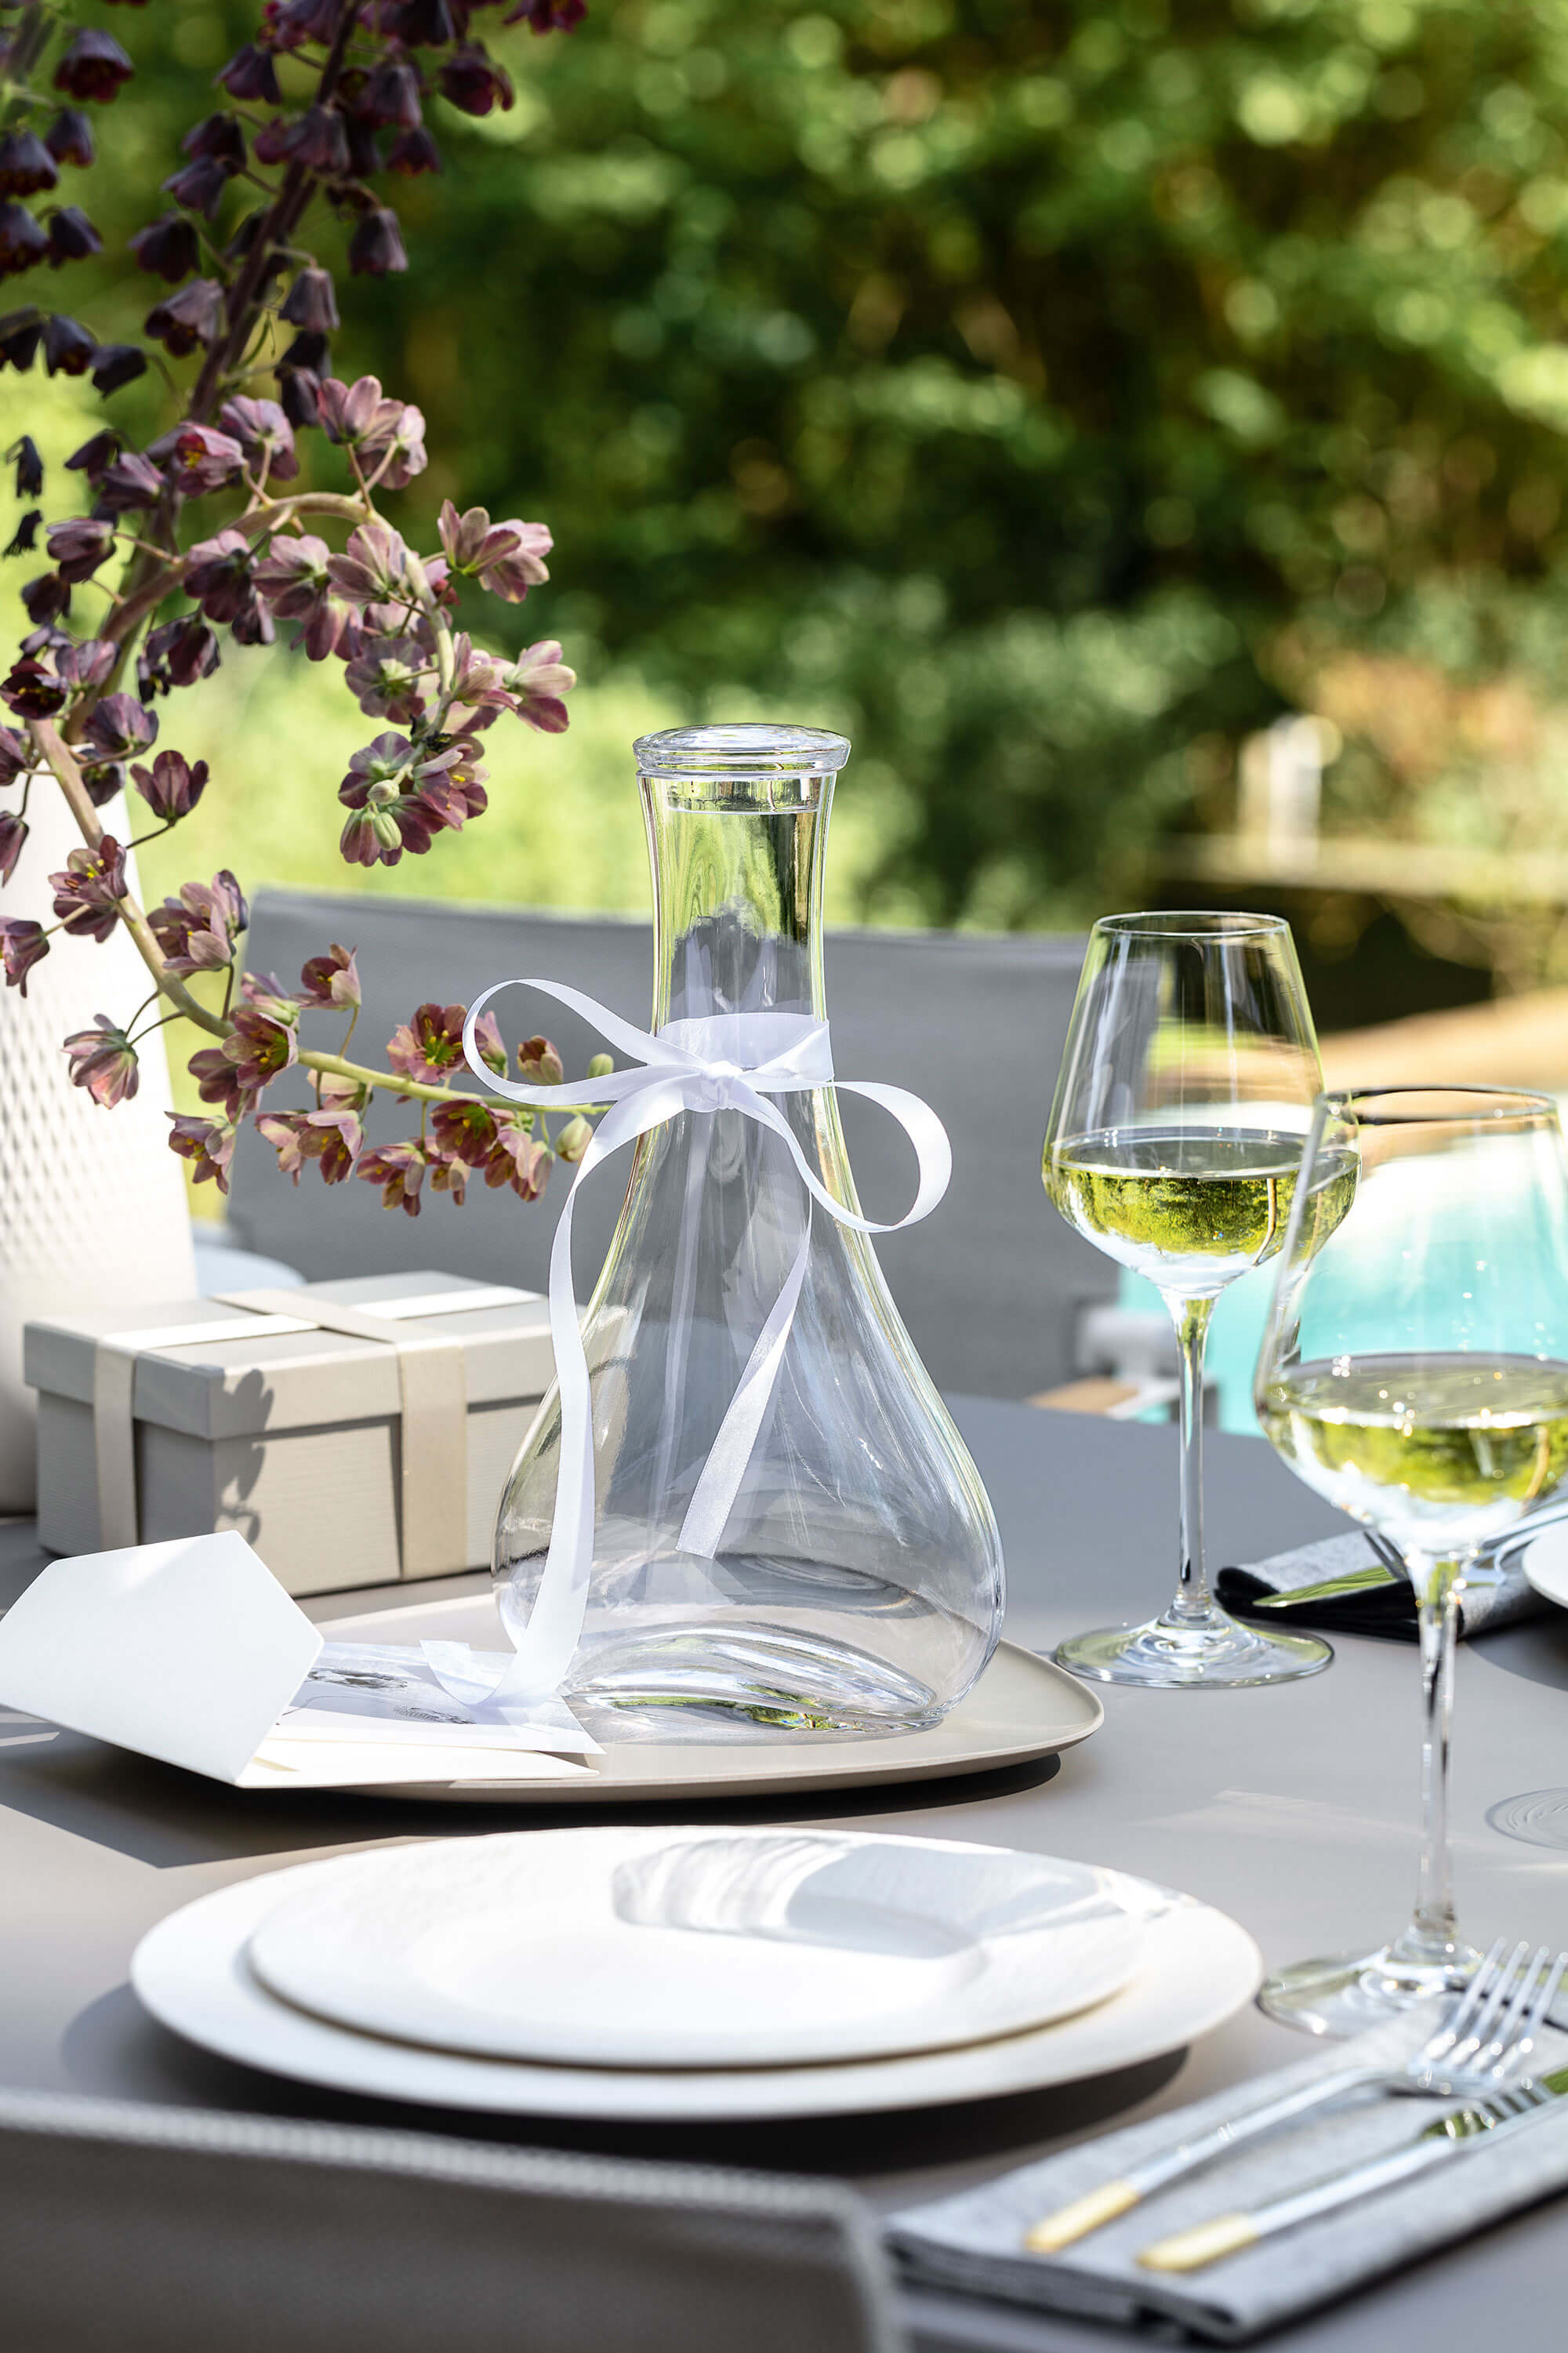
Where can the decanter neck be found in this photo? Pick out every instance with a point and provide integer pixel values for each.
(737, 885)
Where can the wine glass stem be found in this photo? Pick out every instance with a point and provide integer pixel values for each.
(1432, 1933)
(1191, 1318)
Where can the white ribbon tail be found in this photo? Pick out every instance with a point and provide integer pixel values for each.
(714, 1497)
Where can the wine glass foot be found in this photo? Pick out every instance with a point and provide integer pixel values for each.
(1211, 1652)
(1345, 1995)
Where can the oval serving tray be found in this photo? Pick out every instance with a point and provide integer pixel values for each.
(1021, 1709)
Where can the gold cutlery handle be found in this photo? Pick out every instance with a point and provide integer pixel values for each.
(1081, 2216)
(1207, 2243)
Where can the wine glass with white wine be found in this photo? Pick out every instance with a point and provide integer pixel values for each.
(1414, 1372)
(1174, 1146)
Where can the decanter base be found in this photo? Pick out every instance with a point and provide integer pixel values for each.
(722, 1682)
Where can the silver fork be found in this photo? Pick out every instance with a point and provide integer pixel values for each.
(1483, 2042)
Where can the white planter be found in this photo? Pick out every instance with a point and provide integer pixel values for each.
(93, 1210)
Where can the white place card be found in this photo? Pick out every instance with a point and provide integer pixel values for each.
(191, 1651)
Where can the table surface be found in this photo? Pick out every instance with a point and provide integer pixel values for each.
(1292, 1809)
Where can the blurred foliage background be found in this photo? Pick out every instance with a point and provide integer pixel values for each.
(1050, 393)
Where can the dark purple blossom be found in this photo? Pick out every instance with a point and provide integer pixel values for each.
(69, 138)
(384, 676)
(399, 1170)
(218, 135)
(31, 690)
(88, 888)
(199, 185)
(260, 1045)
(169, 247)
(430, 1047)
(375, 249)
(187, 319)
(87, 663)
(264, 436)
(104, 779)
(103, 1060)
(26, 166)
(72, 237)
(45, 599)
(118, 364)
(95, 457)
(465, 1130)
(197, 459)
(373, 567)
(547, 16)
(250, 75)
(206, 1142)
(413, 151)
(24, 538)
(312, 302)
(319, 141)
(518, 1159)
(132, 481)
(23, 943)
(252, 625)
(15, 757)
(330, 979)
(121, 725)
(178, 653)
(426, 23)
(20, 338)
(474, 83)
(217, 1084)
(93, 67)
(172, 788)
(197, 931)
(69, 349)
(30, 467)
(389, 96)
(333, 1138)
(13, 834)
(217, 575)
(508, 558)
(23, 240)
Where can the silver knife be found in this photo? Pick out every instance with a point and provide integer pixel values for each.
(1452, 2135)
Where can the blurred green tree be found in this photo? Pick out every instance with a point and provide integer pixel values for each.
(1045, 389)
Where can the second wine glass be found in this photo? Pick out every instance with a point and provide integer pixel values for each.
(1174, 1146)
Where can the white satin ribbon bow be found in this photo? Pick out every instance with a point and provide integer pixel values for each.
(732, 1061)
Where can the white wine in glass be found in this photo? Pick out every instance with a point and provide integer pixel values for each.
(1174, 1146)
(1414, 1372)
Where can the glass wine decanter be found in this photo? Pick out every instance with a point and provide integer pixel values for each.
(857, 1583)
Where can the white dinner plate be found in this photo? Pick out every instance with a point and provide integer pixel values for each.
(1545, 1563)
(620, 1947)
(1197, 1969)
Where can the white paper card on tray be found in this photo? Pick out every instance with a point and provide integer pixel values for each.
(192, 1652)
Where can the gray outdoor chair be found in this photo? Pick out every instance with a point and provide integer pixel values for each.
(992, 1286)
(131, 2229)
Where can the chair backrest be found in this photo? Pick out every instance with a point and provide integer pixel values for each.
(991, 1285)
(142, 2229)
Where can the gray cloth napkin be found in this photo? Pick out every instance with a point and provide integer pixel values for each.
(1376, 1602)
(974, 2242)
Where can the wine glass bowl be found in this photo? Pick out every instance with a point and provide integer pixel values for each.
(1414, 1373)
(1174, 1146)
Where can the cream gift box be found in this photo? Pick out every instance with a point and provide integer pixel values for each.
(353, 1432)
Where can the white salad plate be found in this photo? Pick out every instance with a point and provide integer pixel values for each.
(728, 1948)
(191, 1973)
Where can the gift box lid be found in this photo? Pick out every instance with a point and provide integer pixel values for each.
(243, 1383)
